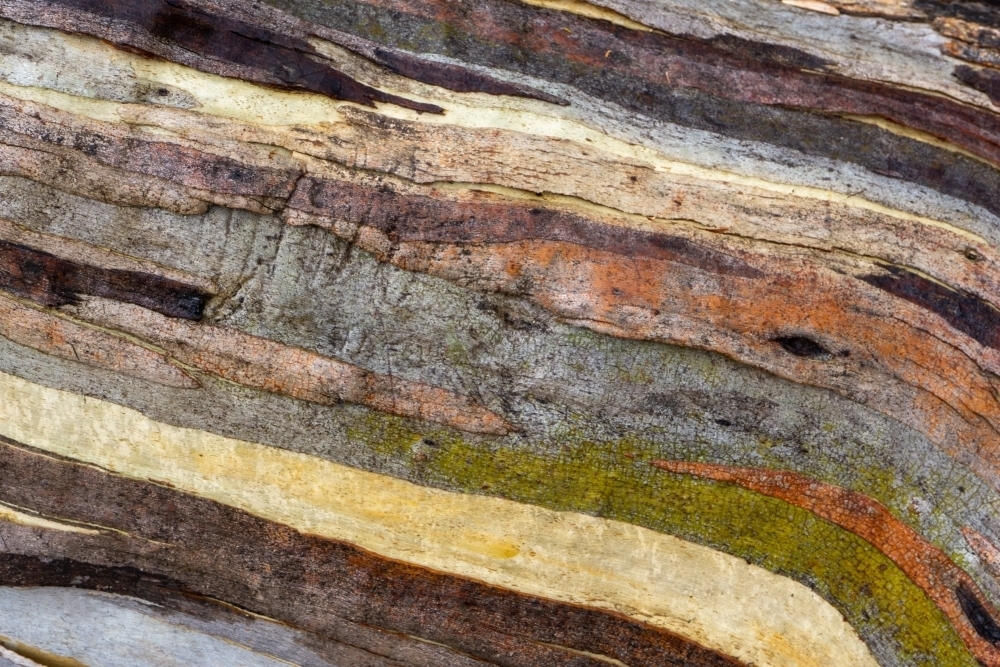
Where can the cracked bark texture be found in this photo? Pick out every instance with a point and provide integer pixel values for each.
(500, 332)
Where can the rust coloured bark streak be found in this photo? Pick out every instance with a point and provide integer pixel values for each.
(925, 373)
(952, 590)
(306, 581)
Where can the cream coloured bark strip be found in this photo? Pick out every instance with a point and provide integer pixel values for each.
(13, 515)
(243, 102)
(712, 598)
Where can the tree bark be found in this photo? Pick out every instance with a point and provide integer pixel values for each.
(500, 332)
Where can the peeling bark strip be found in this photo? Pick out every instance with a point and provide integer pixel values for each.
(53, 281)
(265, 364)
(182, 32)
(214, 550)
(635, 72)
(679, 587)
(59, 337)
(419, 218)
(950, 587)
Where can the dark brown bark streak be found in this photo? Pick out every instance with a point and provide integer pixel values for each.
(273, 570)
(984, 12)
(53, 281)
(180, 164)
(984, 80)
(420, 218)
(180, 32)
(965, 312)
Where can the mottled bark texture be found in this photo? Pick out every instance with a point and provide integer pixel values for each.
(500, 332)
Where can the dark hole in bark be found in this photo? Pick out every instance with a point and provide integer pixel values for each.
(801, 346)
(977, 614)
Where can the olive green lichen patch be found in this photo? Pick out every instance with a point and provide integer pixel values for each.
(615, 480)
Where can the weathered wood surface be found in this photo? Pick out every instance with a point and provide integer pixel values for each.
(490, 332)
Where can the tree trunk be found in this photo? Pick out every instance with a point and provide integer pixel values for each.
(455, 333)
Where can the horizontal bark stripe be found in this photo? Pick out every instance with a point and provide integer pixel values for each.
(58, 336)
(81, 252)
(634, 74)
(78, 174)
(258, 362)
(53, 281)
(950, 587)
(422, 218)
(526, 549)
(405, 212)
(207, 539)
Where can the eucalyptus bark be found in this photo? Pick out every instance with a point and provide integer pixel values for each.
(500, 332)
